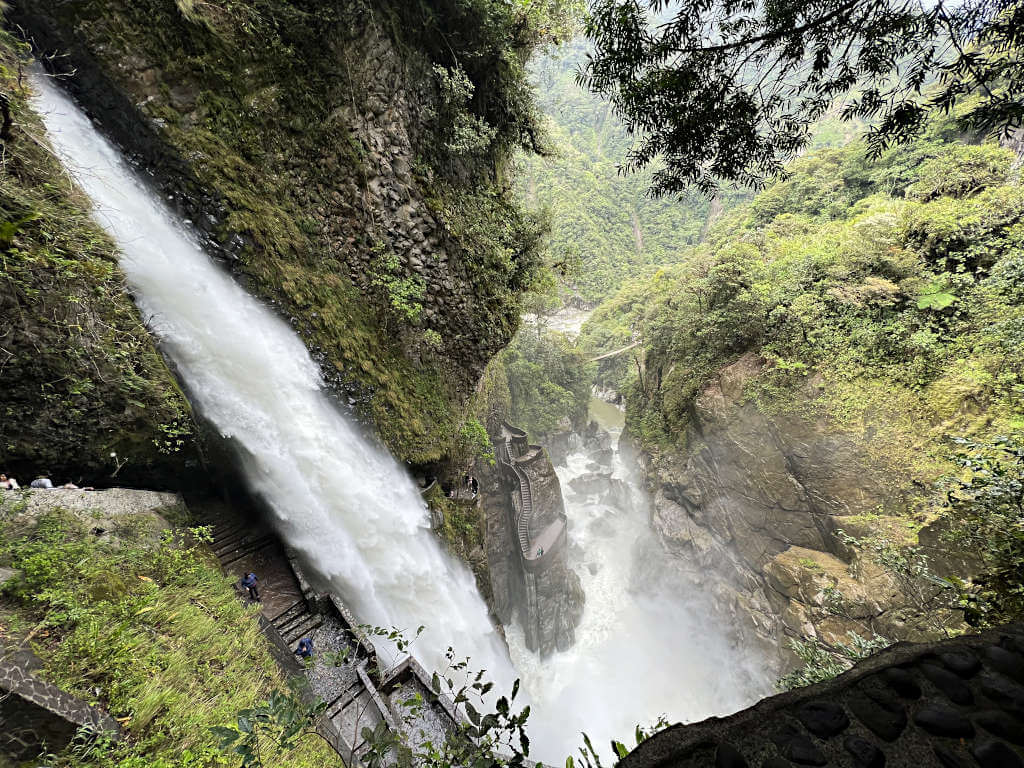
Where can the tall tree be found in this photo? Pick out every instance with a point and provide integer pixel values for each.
(727, 90)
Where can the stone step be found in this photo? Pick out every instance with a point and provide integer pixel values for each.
(344, 699)
(288, 613)
(223, 530)
(304, 629)
(246, 549)
(223, 550)
(295, 619)
(222, 543)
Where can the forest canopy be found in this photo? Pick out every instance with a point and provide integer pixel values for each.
(728, 90)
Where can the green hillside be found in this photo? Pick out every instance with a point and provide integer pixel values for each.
(599, 217)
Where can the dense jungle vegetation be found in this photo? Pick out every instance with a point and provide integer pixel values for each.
(540, 383)
(603, 223)
(882, 296)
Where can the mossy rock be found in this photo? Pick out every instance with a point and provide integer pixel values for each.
(82, 378)
(305, 141)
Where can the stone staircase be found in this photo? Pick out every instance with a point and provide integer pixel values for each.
(525, 498)
(351, 711)
(352, 684)
(236, 540)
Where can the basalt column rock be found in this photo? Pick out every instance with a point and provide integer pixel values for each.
(311, 156)
(940, 705)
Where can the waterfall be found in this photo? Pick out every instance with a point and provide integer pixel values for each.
(649, 645)
(346, 505)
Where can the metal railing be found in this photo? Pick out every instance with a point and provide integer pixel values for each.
(525, 516)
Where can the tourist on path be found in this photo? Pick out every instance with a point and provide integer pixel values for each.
(8, 483)
(249, 582)
(305, 649)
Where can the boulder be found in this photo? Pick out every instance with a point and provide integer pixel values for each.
(592, 483)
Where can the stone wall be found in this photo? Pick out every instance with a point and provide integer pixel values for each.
(36, 716)
(503, 558)
(107, 512)
(957, 703)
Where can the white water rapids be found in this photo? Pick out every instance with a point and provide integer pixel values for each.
(358, 519)
(648, 646)
(346, 505)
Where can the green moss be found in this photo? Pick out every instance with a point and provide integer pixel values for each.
(257, 102)
(82, 377)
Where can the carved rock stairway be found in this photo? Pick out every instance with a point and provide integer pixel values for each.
(297, 622)
(293, 611)
(525, 499)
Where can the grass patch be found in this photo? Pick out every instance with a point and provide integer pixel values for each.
(146, 626)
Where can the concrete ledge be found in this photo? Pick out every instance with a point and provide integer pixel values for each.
(927, 705)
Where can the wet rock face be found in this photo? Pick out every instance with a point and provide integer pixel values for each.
(499, 540)
(592, 483)
(554, 597)
(327, 203)
(547, 490)
(548, 600)
(558, 445)
(560, 600)
(941, 705)
(752, 510)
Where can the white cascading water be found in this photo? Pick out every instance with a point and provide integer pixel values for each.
(342, 502)
(647, 646)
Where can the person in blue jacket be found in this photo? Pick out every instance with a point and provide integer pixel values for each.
(249, 582)
(305, 649)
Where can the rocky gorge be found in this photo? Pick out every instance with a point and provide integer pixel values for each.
(759, 511)
(294, 281)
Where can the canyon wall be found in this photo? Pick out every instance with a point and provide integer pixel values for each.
(314, 148)
(753, 508)
(84, 394)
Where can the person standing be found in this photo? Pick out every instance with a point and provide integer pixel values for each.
(249, 582)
